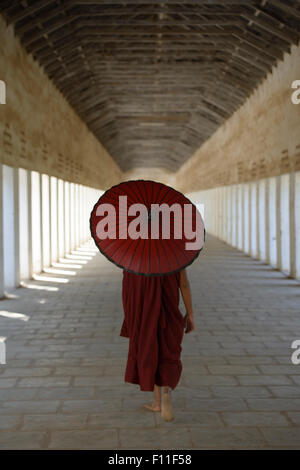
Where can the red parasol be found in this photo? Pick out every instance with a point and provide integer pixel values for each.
(146, 227)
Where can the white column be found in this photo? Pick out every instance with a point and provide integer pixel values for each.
(239, 217)
(67, 216)
(246, 218)
(285, 223)
(267, 221)
(53, 218)
(72, 216)
(60, 217)
(237, 198)
(75, 216)
(16, 227)
(223, 202)
(88, 213)
(79, 221)
(45, 220)
(213, 211)
(80, 214)
(8, 226)
(229, 215)
(278, 222)
(42, 263)
(292, 224)
(89, 200)
(225, 213)
(84, 216)
(24, 224)
(257, 218)
(218, 211)
(216, 194)
(209, 210)
(228, 228)
(297, 224)
(243, 215)
(253, 225)
(234, 217)
(1, 236)
(261, 218)
(36, 225)
(272, 222)
(29, 199)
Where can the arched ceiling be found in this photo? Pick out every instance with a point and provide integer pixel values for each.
(153, 80)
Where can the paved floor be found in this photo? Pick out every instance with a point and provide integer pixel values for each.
(63, 382)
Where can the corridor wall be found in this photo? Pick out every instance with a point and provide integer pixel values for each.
(261, 218)
(42, 218)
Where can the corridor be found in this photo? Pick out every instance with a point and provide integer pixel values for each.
(204, 97)
(63, 386)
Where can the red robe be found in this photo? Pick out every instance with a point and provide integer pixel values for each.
(155, 327)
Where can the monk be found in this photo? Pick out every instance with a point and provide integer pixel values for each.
(155, 327)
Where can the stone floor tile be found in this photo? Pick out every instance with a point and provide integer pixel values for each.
(252, 418)
(84, 439)
(63, 384)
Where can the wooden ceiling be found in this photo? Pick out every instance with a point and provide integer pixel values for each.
(151, 79)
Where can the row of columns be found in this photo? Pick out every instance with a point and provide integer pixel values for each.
(261, 218)
(42, 219)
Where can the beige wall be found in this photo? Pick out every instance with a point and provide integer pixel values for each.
(155, 174)
(260, 139)
(38, 128)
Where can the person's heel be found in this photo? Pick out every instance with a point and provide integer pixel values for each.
(166, 407)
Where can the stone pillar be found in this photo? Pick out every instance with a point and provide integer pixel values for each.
(41, 208)
(29, 200)
(45, 221)
(243, 215)
(267, 221)
(16, 227)
(67, 215)
(252, 221)
(234, 216)
(261, 217)
(60, 217)
(292, 224)
(1, 235)
(247, 215)
(297, 224)
(258, 223)
(80, 216)
(24, 224)
(72, 225)
(224, 231)
(285, 224)
(53, 218)
(278, 223)
(228, 204)
(239, 217)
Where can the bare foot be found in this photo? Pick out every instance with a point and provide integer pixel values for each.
(153, 406)
(167, 412)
